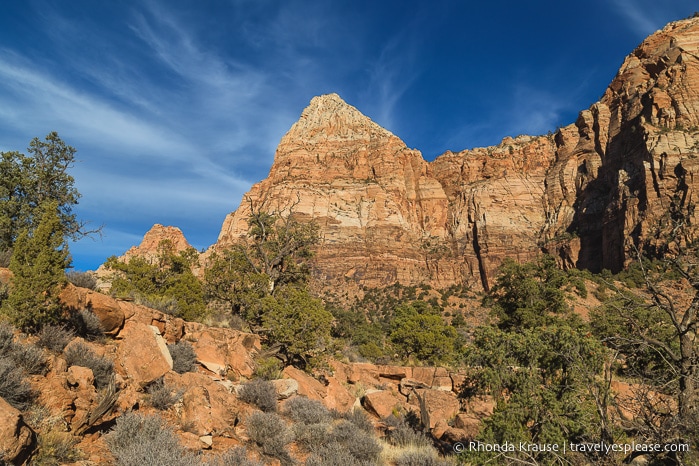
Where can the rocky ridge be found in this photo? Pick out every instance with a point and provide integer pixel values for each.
(588, 193)
(210, 414)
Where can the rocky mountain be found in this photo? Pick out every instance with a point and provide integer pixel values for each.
(149, 247)
(587, 194)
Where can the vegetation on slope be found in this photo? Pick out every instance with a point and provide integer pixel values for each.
(549, 369)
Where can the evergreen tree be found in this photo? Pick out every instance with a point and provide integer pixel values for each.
(38, 263)
(28, 181)
(168, 284)
(418, 330)
(528, 295)
(542, 366)
(297, 323)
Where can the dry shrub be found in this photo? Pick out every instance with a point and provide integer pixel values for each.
(56, 448)
(55, 338)
(79, 354)
(13, 387)
(161, 396)
(270, 432)
(261, 393)
(235, 457)
(87, 325)
(82, 279)
(28, 357)
(139, 440)
(184, 359)
(363, 446)
(420, 457)
(358, 417)
(307, 411)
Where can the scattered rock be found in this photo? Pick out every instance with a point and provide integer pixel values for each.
(424, 376)
(407, 386)
(208, 405)
(16, 437)
(143, 353)
(453, 435)
(308, 386)
(5, 276)
(196, 411)
(338, 397)
(436, 405)
(364, 373)
(383, 403)
(207, 440)
(221, 349)
(468, 424)
(394, 372)
(80, 377)
(285, 388)
(442, 383)
(106, 308)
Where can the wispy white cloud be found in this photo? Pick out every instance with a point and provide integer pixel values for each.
(534, 110)
(38, 99)
(647, 16)
(391, 75)
(638, 15)
(203, 133)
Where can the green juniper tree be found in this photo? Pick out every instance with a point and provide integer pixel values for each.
(38, 263)
(263, 279)
(418, 331)
(541, 365)
(168, 283)
(28, 181)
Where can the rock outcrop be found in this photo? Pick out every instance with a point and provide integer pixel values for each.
(16, 437)
(588, 193)
(143, 354)
(151, 244)
(375, 200)
(150, 249)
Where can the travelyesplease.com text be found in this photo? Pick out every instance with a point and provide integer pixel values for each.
(602, 447)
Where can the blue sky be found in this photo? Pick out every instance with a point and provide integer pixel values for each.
(176, 107)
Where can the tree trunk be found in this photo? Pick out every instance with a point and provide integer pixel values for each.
(685, 400)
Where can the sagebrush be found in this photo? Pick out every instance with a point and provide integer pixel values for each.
(138, 440)
(261, 393)
(79, 354)
(270, 432)
(184, 359)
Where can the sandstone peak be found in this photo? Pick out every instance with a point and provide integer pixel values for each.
(329, 118)
(589, 194)
(148, 248)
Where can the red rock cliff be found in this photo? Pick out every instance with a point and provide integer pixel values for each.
(586, 194)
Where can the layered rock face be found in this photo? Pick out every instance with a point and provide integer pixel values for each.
(377, 203)
(587, 194)
(630, 158)
(387, 215)
(151, 244)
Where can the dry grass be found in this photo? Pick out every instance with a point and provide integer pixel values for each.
(412, 454)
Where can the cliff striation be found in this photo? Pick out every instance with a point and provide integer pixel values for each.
(588, 194)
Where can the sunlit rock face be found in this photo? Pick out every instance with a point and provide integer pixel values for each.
(587, 194)
(376, 201)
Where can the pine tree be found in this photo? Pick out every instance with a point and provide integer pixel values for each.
(38, 264)
(28, 181)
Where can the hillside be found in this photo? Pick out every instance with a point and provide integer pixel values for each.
(364, 306)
